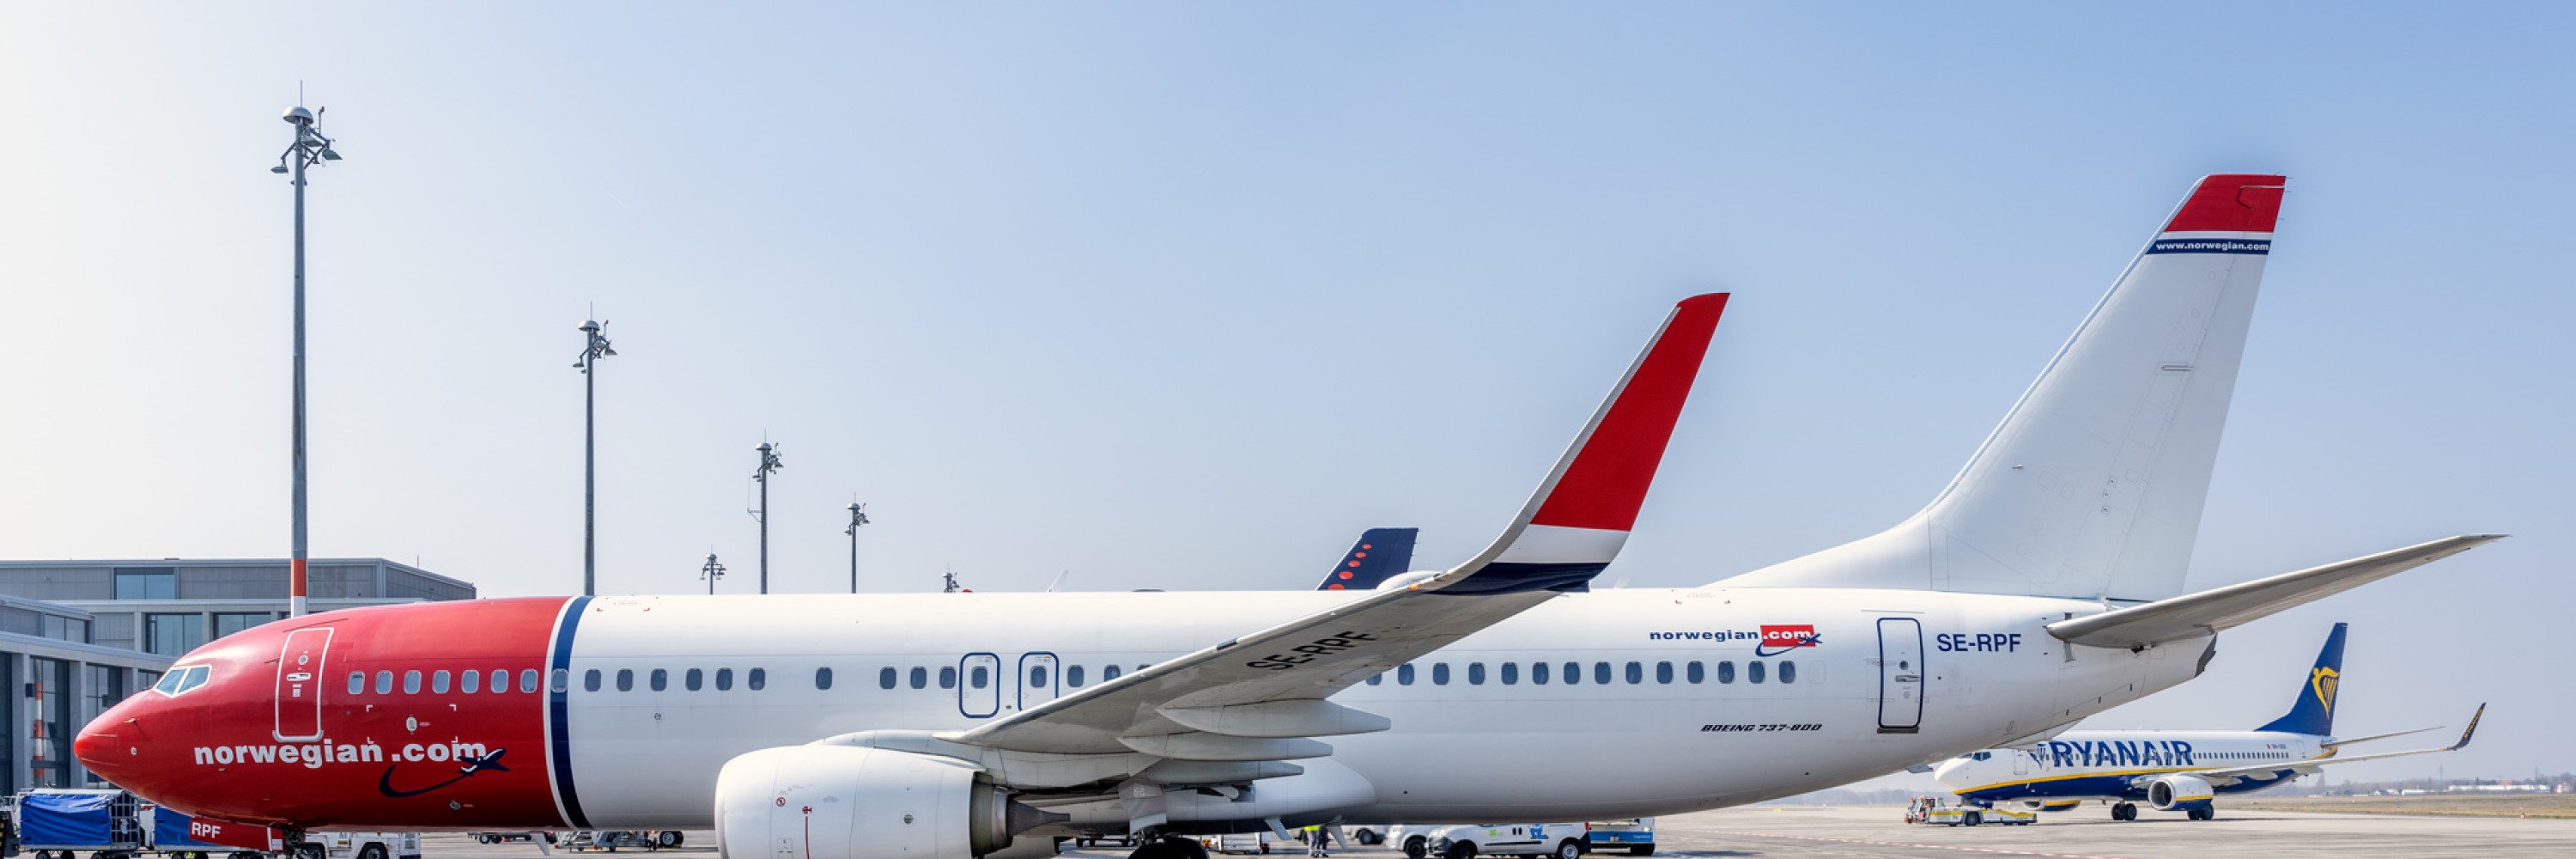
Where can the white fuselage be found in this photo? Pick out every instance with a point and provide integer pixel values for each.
(1461, 750)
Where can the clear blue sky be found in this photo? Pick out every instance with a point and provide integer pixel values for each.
(1185, 295)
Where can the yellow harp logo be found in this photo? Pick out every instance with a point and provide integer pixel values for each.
(2323, 680)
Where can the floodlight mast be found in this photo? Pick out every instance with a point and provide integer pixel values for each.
(310, 149)
(711, 572)
(594, 348)
(769, 465)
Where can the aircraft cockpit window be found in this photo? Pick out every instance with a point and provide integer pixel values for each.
(181, 681)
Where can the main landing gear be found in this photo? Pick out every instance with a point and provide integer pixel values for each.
(2124, 811)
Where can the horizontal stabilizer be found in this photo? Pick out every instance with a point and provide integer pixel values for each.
(2195, 615)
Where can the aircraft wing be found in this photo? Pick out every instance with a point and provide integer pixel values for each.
(1260, 696)
(2192, 616)
(2229, 776)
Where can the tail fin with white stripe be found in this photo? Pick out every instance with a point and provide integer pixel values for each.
(2093, 485)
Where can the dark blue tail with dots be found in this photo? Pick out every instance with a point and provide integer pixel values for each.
(1381, 552)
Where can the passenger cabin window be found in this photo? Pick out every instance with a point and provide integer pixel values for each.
(920, 677)
(1788, 671)
(1601, 673)
(978, 677)
(1726, 672)
(696, 679)
(1753, 671)
(562, 682)
(1108, 673)
(1073, 676)
(384, 682)
(756, 679)
(625, 680)
(1636, 673)
(438, 682)
(1404, 674)
(1037, 677)
(822, 678)
(948, 677)
(1538, 673)
(469, 682)
(724, 679)
(1377, 679)
(1696, 673)
(1573, 674)
(590, 680)
(1476, 674)
(527, 680)
(357, 682)
(885, 677)
(660, 679)
(1511, 673)
(1663, 672)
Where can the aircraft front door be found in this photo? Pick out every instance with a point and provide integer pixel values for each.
(1038, 680)
(298, 702)
(1900, 675)
(979, 685)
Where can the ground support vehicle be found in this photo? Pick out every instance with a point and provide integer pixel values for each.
(1238, 842)
(1636, 835)
(612, 839)
(1934, 809)
(58, 823)
(368, 845)
(1559, 840)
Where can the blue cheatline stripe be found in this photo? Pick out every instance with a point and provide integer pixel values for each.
(1505, 578)
(557, 699)
(2257, 247)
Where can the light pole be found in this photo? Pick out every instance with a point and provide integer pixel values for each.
(858, 517)
(769, 465)
(711, 572)
(595, 347)
(310, 149)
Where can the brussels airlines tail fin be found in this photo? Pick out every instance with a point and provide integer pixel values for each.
(2092, 486)
(2313, 711)
(1381, 552)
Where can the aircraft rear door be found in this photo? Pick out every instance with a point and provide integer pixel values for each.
(1900, 675)
(298, 703)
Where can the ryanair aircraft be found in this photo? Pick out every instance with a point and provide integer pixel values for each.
(2174, 770)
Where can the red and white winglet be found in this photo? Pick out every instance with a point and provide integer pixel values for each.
(1574, 525)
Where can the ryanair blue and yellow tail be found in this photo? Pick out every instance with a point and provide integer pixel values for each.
(2314, 711)
(1381, 552)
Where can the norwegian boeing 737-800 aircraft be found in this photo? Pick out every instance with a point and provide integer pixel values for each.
(2041, 586)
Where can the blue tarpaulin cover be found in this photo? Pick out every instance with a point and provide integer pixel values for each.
(64, 818)
(170, 829)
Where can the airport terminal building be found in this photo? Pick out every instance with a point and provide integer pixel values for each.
(78, 636)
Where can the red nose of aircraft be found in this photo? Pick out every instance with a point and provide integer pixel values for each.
(393, 717)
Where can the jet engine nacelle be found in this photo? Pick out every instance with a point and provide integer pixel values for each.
(2179, 793)
(848, 802)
